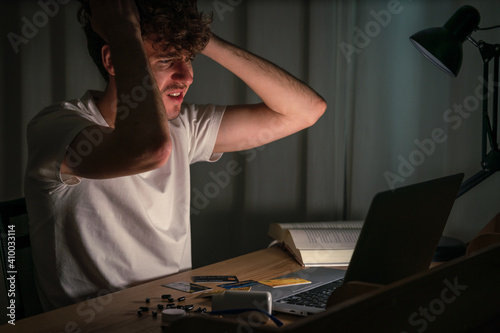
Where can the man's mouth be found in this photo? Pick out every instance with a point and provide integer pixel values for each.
(175, 93)
(176, 97)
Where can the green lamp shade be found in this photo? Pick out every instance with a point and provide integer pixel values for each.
(443, 45)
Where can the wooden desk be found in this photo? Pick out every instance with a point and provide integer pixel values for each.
(459, 296)
(117, 312)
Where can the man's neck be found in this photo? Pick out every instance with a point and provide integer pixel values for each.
(107, 104)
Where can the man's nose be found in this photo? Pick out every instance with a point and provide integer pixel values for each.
(183, 72)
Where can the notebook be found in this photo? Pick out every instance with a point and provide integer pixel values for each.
(399, 237)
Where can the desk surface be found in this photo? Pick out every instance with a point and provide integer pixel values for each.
(117, 312)
(468, 284)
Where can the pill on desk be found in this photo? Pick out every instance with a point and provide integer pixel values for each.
(189, 307)
(166, 296)
(160, 306)
(154, 313)
(139, 313)
(182, 298)
(171, 315)
(143, 308)
(170, 305)
(170, 299)
(147, 300)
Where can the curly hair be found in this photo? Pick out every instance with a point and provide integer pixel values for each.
(167, 24)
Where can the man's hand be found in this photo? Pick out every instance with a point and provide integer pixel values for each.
(112, 17)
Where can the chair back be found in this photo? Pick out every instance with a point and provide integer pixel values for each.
(17, 263)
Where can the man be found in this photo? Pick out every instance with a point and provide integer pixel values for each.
(107, 183)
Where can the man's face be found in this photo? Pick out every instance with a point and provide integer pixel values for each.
(173, 73)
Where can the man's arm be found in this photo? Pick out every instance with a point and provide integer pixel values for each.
(140, 140)
(288, 104)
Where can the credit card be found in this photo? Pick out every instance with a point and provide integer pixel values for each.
(283, 282)
(210, 293)
(187, 287)
(240, 284)
(215, 278)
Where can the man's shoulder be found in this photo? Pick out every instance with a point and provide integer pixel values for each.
(79, 107)
(192, 111)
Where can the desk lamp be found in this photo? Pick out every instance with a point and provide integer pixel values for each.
(443, 47)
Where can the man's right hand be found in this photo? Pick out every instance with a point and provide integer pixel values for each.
(114, 17)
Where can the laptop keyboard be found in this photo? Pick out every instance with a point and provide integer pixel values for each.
(316, 297)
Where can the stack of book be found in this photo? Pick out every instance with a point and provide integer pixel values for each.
(318, 243)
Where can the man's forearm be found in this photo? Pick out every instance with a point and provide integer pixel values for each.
(140, 139)
(131, 71)
(143, 128)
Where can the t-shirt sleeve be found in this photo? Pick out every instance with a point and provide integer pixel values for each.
(49, 135)
(203, 122)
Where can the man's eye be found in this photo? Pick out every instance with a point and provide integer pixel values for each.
(166, 63)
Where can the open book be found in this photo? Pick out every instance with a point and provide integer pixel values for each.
(318, 243)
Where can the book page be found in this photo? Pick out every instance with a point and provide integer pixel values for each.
(323, 238)
(278, 230)
(323, 225)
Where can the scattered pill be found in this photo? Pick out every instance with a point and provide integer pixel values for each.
(182, 298)
(200, 310)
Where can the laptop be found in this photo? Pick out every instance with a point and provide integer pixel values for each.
(399, 237)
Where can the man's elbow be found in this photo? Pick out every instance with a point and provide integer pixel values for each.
(317, 109)
(160, 153)
(148, 152)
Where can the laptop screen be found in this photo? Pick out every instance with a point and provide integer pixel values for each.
(402, 230)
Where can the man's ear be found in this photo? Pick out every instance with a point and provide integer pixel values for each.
(106, 60)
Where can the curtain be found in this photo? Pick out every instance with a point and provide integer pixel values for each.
(384, 102)
(402, 101)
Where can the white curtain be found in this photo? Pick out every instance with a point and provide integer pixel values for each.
(384, 102)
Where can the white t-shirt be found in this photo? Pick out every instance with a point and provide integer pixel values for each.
(89, 236)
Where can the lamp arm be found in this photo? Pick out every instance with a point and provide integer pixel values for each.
(486, 128)
(473, 41)
(494, 130)
(489, 52)
(490, 130)
(490, 161)
(473, 181)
